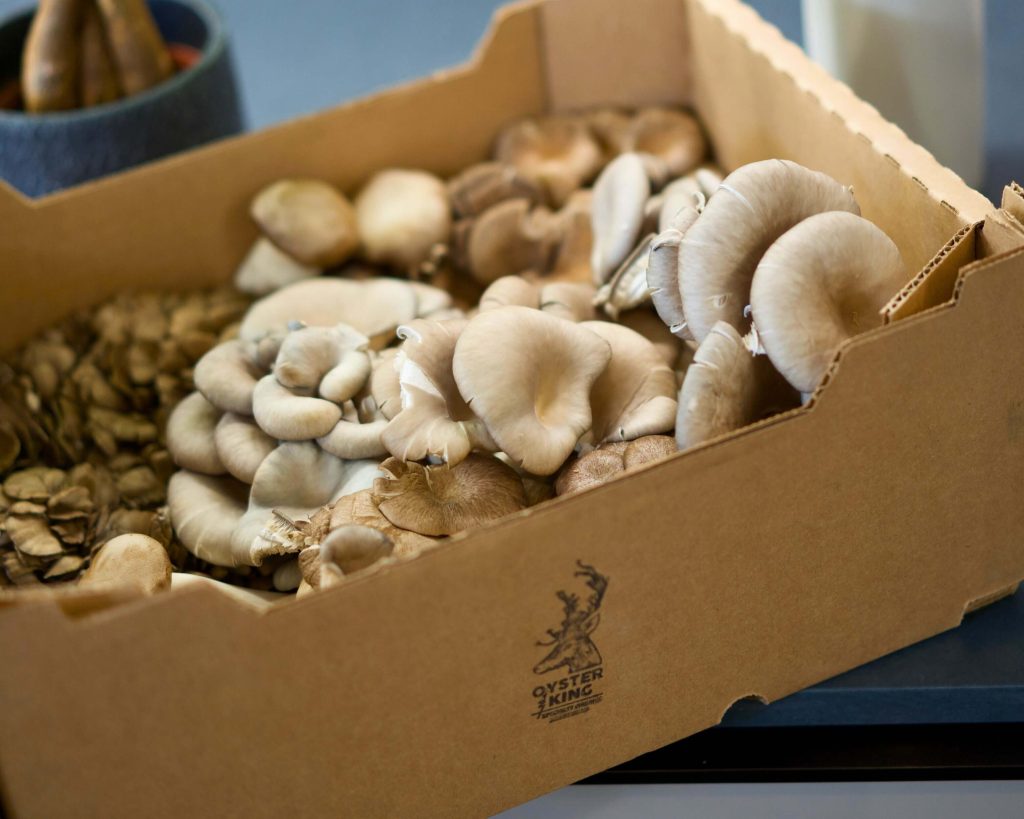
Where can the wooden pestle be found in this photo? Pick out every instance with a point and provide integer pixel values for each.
(98, 80)
(138, 50)
(49, 67)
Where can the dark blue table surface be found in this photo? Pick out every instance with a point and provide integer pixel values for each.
(299, 57)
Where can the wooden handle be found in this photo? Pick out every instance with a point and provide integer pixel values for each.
(136, 46)
(49, 65)
(98, 75)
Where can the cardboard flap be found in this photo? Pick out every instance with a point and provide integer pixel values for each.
(609, 52)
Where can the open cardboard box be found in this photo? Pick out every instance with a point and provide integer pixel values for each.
(755, 565)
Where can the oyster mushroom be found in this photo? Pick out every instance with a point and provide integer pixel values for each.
(309, 220)
(226, 376)
(267, 268)
(509, 238)
(385, 387)
(576, 242)
(295, 480)
(136, 560)
(821, 283)
(635, 395)
(690, 191)
(610, 459)
(204, 511)
(241, 445)
(443, 500)
(373, 307)
(362, 508)
(620, 194)
(752, 208)
(289, 417)
(663, 271)
(332, 361)
(726, 388)
(358, 434)
(573, 301)
(346, 550)
(434, 419)
(674, 137)
(557, 153)
(528, 376)
(190, 435)
(628, 287)
(401, 215)
(509, 291)
(480, 186)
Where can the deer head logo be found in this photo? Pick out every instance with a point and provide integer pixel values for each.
(571, 643)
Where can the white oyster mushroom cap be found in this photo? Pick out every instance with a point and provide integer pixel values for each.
(823, 282)
(358, 434)
(331, 360)
(663, 272)
(430, 299)
(295, 480)
(241, 445)
(402, 214)
(752, 208)
(289, 417)
(636, 393)
(226, 376)
(204, 512)
(510, 290)
(617, 214)
(308, 219)
(573, 301)
(727, 388)
(528, 376)
(434, 419)
(266, 268)
(370, 306)
(190, 435)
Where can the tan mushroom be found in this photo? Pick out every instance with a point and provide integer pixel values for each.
(635, 395)
(362, 508)
(289, 417)
(509, 238)
(331, 361)
(135, 560)
(190, 435)
(384, 384)
(576, 240)
(295, 480)
(644, 321)
(443, 500)
(557, 153)
(358, 434)
(373, 307)
(690, 191)
(663, 271)
(609, 126)
(241, 445)
(675, 137)
(204, 511)
(610, 459)
(480, 186)
(434, 419)
(308, 219)
(528, 376)
(573, 301)
(727, 388)
(510, 291)
(821, 283)
(620, 194)
(267, 268)
(752, 208)
(401, 215)
(226, 376)
(627, 288)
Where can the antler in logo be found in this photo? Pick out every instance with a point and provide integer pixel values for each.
(571, 643)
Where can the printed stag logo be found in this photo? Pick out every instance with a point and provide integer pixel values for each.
(571, 643)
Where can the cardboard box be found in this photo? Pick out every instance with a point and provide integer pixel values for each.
(754, 565)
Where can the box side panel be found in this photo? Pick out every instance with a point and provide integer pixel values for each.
(609, 52)
(760, 97)
(183, 222)
(756, 565)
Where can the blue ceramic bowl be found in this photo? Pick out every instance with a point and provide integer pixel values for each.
(42, 153)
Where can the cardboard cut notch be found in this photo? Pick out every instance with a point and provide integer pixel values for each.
(935, 284)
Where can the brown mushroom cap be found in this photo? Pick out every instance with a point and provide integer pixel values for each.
(443, 500)
(557, 153)
(635, 395)
(528, 376)
(402, 214)
(726, 388)
(752, 208)
(508, 238)
(132, 559)
(362, 508)
(590, 469)
(823, 282)
(352, 547)
(480, 186)
(308, 219)
(675, 137)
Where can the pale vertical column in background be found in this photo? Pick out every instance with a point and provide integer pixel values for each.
(920, 62)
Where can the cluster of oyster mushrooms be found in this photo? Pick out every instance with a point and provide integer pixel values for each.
(437, 354)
